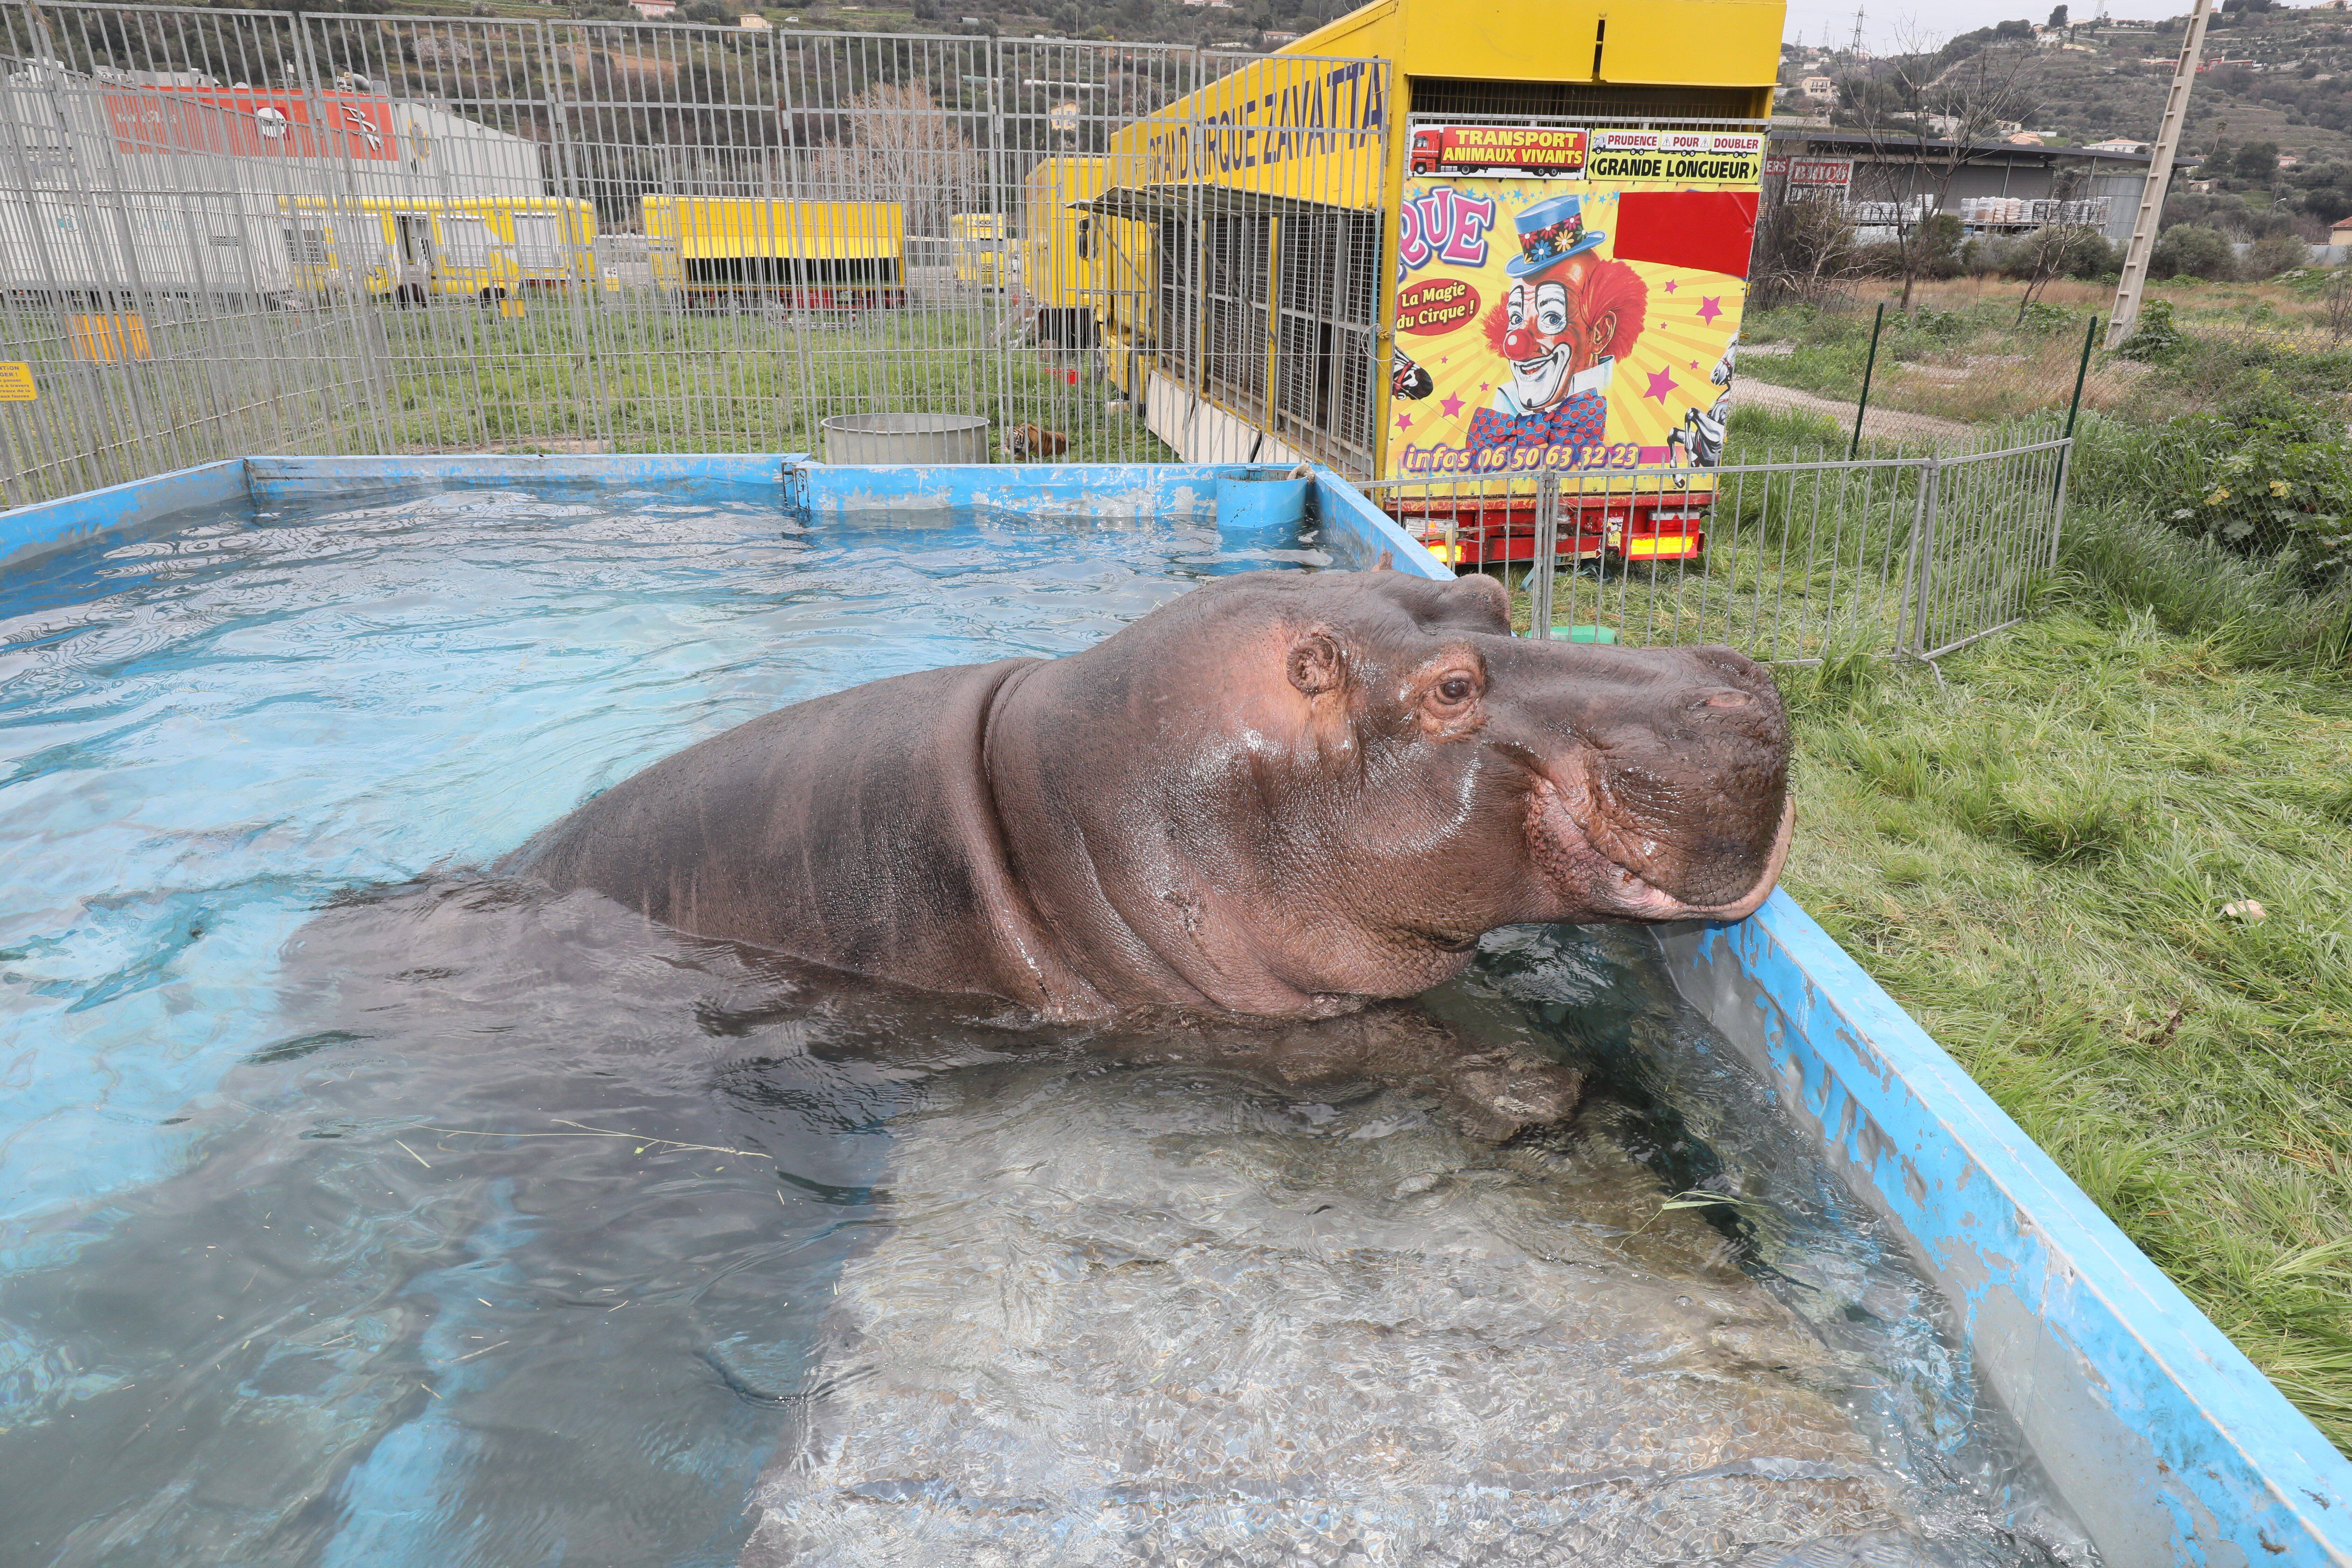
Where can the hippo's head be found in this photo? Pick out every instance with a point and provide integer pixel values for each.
(1350, 776)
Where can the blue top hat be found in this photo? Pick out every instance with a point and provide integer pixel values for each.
(1549, 233)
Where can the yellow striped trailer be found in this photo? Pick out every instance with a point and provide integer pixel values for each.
(720, 252)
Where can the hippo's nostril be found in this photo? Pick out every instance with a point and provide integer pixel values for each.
(1730, 699)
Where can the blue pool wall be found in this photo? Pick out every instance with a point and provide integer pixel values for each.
(2160, 1435)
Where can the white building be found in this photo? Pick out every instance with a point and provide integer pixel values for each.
(1819, 89)
(189, 187)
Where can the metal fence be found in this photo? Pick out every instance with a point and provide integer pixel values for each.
(1788, 562)
(224, 231)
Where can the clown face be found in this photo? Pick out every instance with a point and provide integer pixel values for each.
(1552, 335)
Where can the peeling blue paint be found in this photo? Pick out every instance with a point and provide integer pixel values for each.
(2159, 1435)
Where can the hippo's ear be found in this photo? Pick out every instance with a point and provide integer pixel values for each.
(1314, 663)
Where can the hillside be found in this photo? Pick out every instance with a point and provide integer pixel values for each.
(1247, 24)
(2276, 82)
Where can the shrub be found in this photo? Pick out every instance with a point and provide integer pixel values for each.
(2273, 254)
(2192, 250)
(2061, 250)
(2040, 318)
(2267, 475)
(2153, 338)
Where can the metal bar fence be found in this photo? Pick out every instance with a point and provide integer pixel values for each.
(1791, 561)
(226, 231)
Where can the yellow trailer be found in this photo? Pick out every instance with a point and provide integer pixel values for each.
(486, 248)
(1274, 227)
(715, 251)
(978, 243)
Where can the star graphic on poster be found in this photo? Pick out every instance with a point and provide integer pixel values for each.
(1404, 421)
(1669, 285)
(1710, 308)
(1660, 384)
(1694, 364)
(1452, 406)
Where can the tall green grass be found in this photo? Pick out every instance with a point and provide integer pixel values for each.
(2040, 855)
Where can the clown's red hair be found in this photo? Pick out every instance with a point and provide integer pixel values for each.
(1591, 294)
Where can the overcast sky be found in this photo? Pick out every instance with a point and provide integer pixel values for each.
(1887, 25)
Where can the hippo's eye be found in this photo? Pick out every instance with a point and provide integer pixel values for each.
(1456, 690)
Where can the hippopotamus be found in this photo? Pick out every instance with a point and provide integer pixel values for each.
(1280, 796)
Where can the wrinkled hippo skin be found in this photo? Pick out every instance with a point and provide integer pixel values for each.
(1277, 796)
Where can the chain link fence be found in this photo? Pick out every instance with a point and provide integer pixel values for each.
(1788, 562)
(224, 231)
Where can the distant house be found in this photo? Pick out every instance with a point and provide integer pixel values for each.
(2024, 138)
(1819, 89)
(2289, 161)
(754, 21)
(2116, 144)
(654, 10)
(2340, 232)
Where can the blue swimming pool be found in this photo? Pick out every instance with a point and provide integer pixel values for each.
(356, 1207)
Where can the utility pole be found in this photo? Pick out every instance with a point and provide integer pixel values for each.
(2159, 174)
(1856, 48)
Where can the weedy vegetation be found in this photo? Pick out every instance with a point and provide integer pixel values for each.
(2105, 859)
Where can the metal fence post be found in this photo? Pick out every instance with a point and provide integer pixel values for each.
(1547, 554)
(1870, 365)
(1912, 637)
(579, 299)
(2058, 499)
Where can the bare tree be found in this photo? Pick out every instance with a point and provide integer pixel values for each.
(2055, 250)
(2059, 247)
(1804, 252)
(2336, 298)
(1926, 119)
(899, 144)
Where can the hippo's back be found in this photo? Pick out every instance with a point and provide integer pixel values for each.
(853, 830)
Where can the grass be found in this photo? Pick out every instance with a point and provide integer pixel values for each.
(650, 377)
(1963, 353)
(2034, 857)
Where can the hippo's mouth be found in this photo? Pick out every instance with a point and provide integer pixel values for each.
(1598, 871)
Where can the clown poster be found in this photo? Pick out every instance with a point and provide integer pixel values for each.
(1568, 301)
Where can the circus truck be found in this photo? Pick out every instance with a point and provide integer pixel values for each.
(1463, 266)
(1567, 313)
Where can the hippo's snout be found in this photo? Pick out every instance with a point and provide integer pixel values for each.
(1664, 784)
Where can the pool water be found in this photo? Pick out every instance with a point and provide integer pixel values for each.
(359, 1207)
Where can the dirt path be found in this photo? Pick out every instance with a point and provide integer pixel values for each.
(1882, 424)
